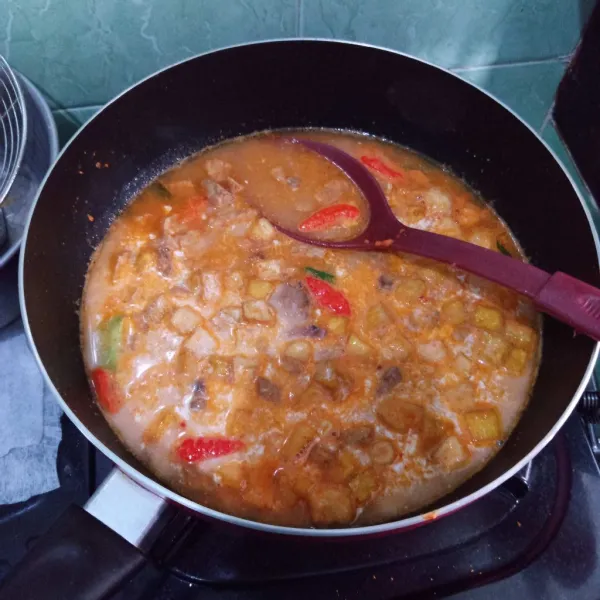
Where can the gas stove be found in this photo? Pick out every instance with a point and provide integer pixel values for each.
(536, 536)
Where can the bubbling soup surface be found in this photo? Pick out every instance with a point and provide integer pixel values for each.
(288, 383)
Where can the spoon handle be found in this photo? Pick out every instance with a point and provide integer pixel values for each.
(565, 298)
(571, 301)
(504, 270)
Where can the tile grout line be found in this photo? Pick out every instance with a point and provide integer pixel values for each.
(78, 107)
(549, 118)
(525, 63)
(546, 120)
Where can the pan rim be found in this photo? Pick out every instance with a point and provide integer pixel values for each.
(162, 491)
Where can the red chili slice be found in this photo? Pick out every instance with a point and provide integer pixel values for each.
(330, 216)
(194, 450)
(106, 391)
(380, 167)
(328, 297)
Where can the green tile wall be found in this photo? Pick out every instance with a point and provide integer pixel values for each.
(81, 53)
(454, 33)
(528, 88)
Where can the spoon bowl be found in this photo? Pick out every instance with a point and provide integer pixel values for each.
(559, 295)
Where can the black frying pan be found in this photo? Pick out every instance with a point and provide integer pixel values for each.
(295, 84)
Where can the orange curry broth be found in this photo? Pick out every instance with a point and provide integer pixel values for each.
(223, 370)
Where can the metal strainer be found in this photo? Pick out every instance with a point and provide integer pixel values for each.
(13, 128)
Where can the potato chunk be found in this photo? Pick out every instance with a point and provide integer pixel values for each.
(211, 284)
(231, 473)
(433, 351)
(259, 289)
(450, 453)
(488, 318)
(217, 169)
(146, 260)
(409, 290)
(357, 347)
(181, 187)
(398, 348)
(453, 313)
(364, 485)
(331, 505)
(437, 203)
(463, 364)
(484, 425)
(449, 227)
(516, 360)
(520, 335)
(344, 468)
(468, 216)
(201, 343)
(400, 415)
(378, 318)
(484, 238)
(263, 230)
(300, 350)
(424, 318)
(222, 368)
(337, 325)
(461, 398)
(163, 421)
(123, 268)
(194, 282)
(435, 429)
(493, 349)
(337, 385)
(325, 374)
(269, 270)
(257, 310)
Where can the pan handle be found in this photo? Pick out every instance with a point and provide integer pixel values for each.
(90, 553)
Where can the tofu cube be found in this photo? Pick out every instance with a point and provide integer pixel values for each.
(201, 343)
(185, 320)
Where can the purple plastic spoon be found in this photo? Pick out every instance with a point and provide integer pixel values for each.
(565, 298)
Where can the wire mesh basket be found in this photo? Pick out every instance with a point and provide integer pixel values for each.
(13, 127)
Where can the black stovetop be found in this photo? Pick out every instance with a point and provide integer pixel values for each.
(536, 536)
